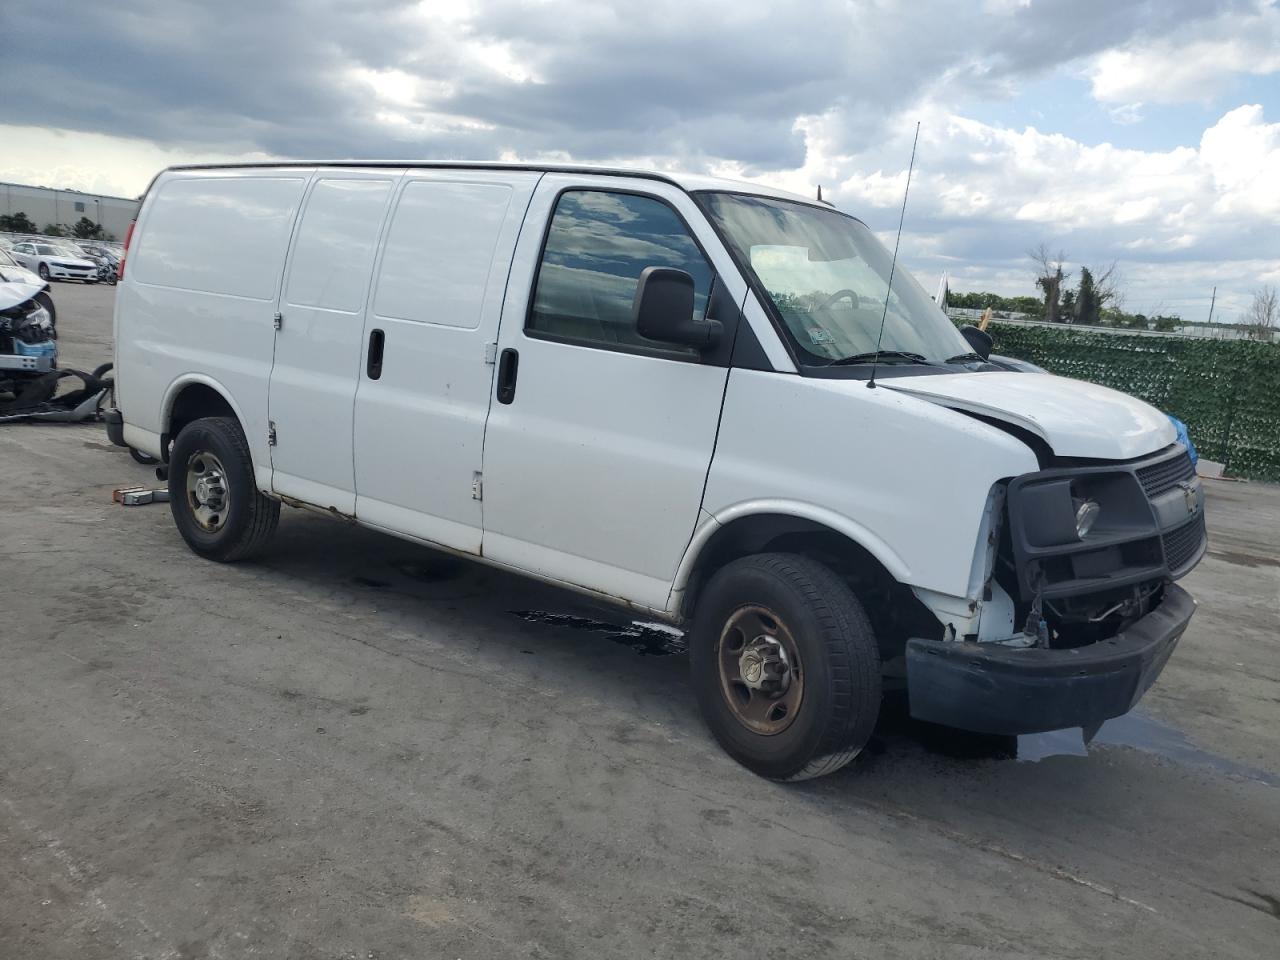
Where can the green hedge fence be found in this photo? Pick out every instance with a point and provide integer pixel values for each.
(1226, 391)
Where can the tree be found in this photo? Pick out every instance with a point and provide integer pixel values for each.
(17, 223)
(1088, 306)
(1049, 278)
(1263, 315)
(1166, 324)
(53, 230)
(1107, 286)
(86, 229)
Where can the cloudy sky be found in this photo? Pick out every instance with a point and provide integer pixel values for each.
(1143, 132)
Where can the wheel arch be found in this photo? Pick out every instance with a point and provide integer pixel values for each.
(870, 567)
(752, 527)
(189, 398)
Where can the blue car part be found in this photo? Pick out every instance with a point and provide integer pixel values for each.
(1184, 438)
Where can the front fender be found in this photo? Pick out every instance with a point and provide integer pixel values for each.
(906, 479)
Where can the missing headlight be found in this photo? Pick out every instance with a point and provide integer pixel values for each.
(1087, 512)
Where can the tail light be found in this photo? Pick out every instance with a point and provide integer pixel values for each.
(123, 256)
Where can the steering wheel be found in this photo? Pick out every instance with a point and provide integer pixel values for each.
(845, 294)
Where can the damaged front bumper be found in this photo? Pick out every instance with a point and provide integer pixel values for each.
(990, 688)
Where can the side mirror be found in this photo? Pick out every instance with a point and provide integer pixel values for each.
(663, 310)
(980, 341)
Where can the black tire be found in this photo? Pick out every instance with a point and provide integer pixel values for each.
(43, 271)
(143, 458)
(245, 519)
(838, 660)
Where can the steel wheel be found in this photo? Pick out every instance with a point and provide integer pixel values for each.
(208, 493)
(761, 675)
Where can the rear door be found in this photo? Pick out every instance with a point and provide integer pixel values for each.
(427, 372)
(597, 452)
(318, 343)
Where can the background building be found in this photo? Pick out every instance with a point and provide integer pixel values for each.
(64, 207)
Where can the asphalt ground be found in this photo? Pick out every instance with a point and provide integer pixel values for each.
(360, 748)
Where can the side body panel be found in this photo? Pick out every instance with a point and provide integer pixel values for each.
(199, 293)
(318, 345)
(594, 473)
(437, 298)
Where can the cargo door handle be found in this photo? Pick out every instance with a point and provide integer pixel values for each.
(508, 364)
(373, 365)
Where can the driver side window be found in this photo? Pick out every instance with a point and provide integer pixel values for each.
(597, 245)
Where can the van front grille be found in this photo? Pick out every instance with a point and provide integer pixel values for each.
(1167, 474)
(1182, 544)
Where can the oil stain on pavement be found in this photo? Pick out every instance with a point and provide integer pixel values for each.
(646, 639)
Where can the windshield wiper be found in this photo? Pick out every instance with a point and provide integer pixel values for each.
(966, 358)
(886, 356)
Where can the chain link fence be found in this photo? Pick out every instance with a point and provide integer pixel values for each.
(1226, 391)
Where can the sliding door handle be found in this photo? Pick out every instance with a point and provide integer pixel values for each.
(373, 365)
(508, 365)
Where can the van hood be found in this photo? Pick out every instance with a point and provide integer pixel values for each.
(1076, 419)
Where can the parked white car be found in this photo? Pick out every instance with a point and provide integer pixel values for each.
(670, 392)
(52, 261)
(11, 271)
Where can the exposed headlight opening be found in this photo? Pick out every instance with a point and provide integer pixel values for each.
(1087, 512)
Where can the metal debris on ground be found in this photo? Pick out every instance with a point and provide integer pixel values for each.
(136, 496)
(33, 395)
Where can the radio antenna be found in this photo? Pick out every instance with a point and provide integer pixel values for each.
(894, 263)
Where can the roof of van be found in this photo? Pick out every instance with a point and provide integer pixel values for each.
(686, 181)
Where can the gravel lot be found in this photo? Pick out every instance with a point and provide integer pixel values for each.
(359, 748)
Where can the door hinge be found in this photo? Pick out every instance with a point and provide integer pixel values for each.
(271, 433)
(491, 352)
(278, 320)
(477, 486)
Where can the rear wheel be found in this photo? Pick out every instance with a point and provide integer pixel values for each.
(785, 666)
(212, 493)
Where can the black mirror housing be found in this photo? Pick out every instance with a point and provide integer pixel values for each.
(979, 341)
(663, 310)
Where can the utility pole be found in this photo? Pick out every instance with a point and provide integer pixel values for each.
(1212, 301)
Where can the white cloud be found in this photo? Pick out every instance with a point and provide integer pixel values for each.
(734, 86)
(1180, 220)
(1191, 65)
(1127, 113)
(1242, 152)
(93, 162)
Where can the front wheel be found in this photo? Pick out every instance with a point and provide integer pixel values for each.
(44, 272)
(215, 502)
(46, 301)
(785, 666)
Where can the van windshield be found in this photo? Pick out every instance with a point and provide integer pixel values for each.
(828, 277)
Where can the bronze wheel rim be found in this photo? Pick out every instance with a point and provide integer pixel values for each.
(761, 676)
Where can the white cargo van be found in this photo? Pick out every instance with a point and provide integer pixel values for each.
(694, 397)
